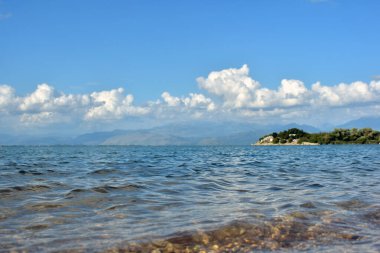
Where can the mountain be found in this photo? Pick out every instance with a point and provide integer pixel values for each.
(184, 133)
(306, 128)
(193, 133)
(148, 138)
(97, 138)
(370, 122)
(204, 129)
(242, 138)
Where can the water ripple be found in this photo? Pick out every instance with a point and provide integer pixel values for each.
(87, 199)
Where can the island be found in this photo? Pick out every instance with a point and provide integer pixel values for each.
(295, 136)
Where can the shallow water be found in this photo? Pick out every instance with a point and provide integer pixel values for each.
(189, 199)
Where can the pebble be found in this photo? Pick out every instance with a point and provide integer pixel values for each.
(169, 247)
(205, 239)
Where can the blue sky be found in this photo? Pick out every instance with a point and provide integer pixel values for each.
(151, 47)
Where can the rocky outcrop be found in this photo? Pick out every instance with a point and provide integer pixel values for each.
(270, 140)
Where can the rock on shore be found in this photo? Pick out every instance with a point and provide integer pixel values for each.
(269, 141)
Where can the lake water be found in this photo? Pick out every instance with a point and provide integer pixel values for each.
(190, 199)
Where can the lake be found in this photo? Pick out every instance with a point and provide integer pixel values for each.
(190, 198)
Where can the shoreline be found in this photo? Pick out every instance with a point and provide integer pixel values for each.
(286, 144)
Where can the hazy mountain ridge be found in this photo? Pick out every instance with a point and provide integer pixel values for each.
(184, 133)
(371, 122)
(195, 133)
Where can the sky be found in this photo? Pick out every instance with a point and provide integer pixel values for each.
(90, 65)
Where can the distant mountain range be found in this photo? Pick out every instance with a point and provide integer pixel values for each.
(199, 133)
(370, 122)
(193, 133)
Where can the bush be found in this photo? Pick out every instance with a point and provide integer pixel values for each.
(338, 136)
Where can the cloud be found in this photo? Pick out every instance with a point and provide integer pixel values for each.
(238, 90)
(192, 106)
(194, 100)
(234, 86)
(292, 92)
(225, 94)
(41, 117)
(7, 94)
(346, 94)
(170, 100)
(45, 105)
(113, 104)
(46, 99)
(41, 97)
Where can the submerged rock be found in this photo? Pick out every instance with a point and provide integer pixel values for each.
(293, 231)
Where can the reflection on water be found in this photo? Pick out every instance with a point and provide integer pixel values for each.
(189, 199)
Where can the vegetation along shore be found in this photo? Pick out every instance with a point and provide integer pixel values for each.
(295, 136)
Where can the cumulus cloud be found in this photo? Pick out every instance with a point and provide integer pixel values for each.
(46, 105)
(7, 94)
(346, 94)
(238, 90)
(170, 100)
(41, 97)
(113, 104)
(234, 86)
(193, 101)
(230, 93)
(292, 92)
(46, 99)
(35, 118)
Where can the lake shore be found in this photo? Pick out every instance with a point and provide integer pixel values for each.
(286, 144)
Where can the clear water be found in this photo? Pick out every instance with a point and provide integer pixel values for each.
(189, 199)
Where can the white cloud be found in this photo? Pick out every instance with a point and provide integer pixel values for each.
(113, 104)
(346, 94)
(47, 105)
(35, 118)
(41, 97)
(170, 100)
(226, 94)
(238, 90)
(234, 86)
(45, 99)
(199, 101)
(193, 101)
(375, 86)
(7, 94)
(292, 92)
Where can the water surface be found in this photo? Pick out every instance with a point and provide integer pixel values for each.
(189, 199)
